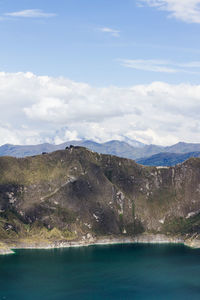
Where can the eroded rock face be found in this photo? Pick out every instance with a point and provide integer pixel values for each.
(75, 192)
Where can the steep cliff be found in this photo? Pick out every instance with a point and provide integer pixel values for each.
(76, 193)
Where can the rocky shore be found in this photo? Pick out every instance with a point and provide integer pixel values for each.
(193, 242)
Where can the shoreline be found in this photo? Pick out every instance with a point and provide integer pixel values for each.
(139, 239)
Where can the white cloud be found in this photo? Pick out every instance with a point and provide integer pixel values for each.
(113, 32)
(185, 10)
(35, 109)
(30, 13)
(161, 66)
(148, 65)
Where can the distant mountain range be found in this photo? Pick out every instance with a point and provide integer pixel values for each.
(167, 159)
(118, 148)
(143, 154)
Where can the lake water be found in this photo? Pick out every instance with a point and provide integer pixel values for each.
(102, 272)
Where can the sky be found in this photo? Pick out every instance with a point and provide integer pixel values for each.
(100, 70)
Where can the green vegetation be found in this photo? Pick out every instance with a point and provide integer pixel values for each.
(182, 225)
(65, 215)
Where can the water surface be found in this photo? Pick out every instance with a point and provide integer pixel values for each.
(102, 272)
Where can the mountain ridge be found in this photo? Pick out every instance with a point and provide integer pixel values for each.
(114, 147)
(77, 194)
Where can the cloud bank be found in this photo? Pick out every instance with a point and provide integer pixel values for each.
(184, 10)
(35, 109)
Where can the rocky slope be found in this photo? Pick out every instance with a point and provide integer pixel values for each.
(76, 194)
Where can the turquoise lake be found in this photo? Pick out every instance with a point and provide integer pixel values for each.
(102, 272)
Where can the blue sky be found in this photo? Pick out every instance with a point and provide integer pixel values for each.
(100, 70)
(71, 43)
